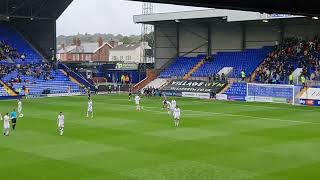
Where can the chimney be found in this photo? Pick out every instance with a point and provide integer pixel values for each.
(100, 41)
(113, 43)
(63, 46)
(78, 42)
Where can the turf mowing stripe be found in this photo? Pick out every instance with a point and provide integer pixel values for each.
(238, 115)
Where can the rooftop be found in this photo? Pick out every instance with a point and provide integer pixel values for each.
(228, 15)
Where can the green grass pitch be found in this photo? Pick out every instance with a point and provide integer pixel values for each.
(216, 141)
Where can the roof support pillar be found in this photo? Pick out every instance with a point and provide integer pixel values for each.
(209, 39)
(244, 36)
(178, 39)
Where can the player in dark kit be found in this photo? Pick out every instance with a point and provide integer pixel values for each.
(130, 94)
(13, 115)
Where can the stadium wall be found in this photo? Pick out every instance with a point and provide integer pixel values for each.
(226, 37)
(259, 34)
(199, 35)
(165, 43)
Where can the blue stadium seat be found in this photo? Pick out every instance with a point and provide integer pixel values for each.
(247, 60)
(59, 84)
(237, 89)
(181, 66)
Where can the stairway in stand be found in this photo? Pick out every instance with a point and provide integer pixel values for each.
(194, 69)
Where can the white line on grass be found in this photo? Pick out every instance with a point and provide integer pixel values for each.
(245, 116)
(249, 105)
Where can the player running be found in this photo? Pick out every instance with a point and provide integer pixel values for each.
(20, 108)
(90, 108)
(6, 124)
(137, 99)
(13, 115)
(176, 116)
(61, 123)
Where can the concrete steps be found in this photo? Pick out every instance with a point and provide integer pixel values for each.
(194, 69)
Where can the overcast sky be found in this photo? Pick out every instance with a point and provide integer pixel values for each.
(106, 16)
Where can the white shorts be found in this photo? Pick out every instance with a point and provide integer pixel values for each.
(61, 125)
(89, 109)
(177, 117)
(6, 126)
(137, 103)
(19, 110)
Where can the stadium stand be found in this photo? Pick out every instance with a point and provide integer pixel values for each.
(38, 79)
(284, 59)
(181, 66)
(14, 46)
(247, 60)
(3, 92)
(23, 70)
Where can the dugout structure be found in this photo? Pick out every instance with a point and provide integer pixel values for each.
(35, 20)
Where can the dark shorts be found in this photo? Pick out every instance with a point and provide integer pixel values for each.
(14, 120)
(130, 94)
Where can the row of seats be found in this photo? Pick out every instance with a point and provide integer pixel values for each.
(270, 91)
(181, 66)
(59, 84)
(247, 60)
(240, 89)
(237, 89)
(3, 92)
(15, 40)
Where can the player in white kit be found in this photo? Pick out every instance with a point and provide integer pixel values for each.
(176, 116)
(90, 108)
(173, 104)
(169, 105)
(6, 124)
(137, 100)
(20, 108)
(61, 123)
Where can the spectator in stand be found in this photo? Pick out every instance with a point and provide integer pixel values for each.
(223, 77)
(293, 53)
(303, 80)
(291, 78)
(243, 75)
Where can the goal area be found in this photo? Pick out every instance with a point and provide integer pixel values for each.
(275, 93)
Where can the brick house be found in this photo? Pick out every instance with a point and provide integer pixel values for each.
(85, 52)
(129, 53)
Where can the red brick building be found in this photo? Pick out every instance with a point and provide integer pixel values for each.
(85, 52)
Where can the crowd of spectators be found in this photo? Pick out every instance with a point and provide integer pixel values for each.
(38, 71)
(5, 70)
(293, 53)
(151, 91)
(217, 77)
(8, 51)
